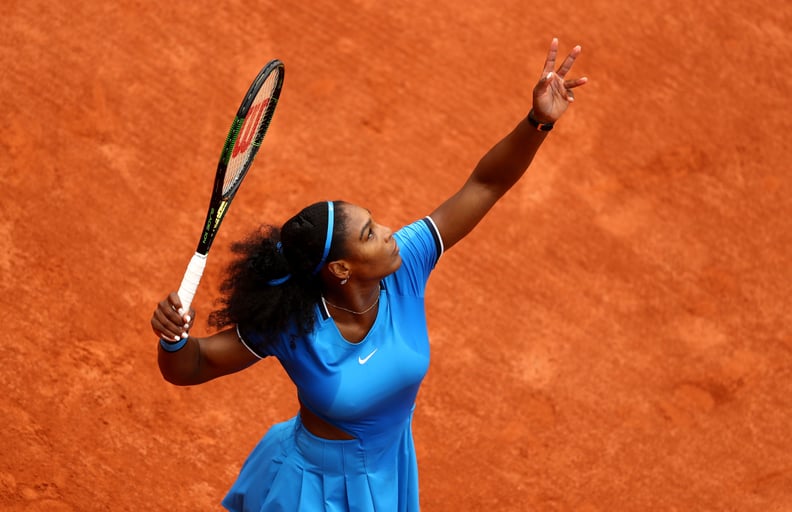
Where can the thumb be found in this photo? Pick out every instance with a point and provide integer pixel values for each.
(544, 82)
(546, 79)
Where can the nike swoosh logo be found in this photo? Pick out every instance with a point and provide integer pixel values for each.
(364, 360)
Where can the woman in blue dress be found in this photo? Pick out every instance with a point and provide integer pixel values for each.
(338, 299)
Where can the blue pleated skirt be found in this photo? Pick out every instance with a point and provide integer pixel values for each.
(292, 470)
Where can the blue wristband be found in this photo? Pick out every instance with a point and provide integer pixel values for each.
(173, 347)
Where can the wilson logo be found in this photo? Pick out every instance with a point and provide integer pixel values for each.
(249, 128)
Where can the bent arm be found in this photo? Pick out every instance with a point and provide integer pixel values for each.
(204, 359)
(199, 359)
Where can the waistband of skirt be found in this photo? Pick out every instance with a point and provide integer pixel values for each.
(329, 455)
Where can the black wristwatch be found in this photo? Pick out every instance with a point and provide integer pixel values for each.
(542, 127)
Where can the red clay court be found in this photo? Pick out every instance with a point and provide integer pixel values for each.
(616, 335)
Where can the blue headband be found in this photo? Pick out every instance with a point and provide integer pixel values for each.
(328, 237)
(280, 280)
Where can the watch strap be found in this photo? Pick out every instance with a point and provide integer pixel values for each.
(542, 127)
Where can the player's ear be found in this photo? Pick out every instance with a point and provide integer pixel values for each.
(339, 269)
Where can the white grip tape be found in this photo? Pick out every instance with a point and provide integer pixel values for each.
(192, 277)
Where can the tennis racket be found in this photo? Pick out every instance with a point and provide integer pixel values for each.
(241, 145)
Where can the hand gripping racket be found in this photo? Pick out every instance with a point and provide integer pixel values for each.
(241, 145)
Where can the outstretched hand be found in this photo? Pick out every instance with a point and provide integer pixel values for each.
(553, 93)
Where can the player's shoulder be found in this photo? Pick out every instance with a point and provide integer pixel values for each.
(422, 235)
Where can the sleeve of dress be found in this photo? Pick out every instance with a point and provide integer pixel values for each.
(420, 247)
(254, 341)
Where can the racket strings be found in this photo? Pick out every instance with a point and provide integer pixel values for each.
(251, 131)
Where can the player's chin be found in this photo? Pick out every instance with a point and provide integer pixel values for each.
(392, 265)
(397, 262)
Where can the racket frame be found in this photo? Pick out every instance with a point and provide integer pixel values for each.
(221, 199)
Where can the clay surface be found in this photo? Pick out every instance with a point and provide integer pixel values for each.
(615, 336)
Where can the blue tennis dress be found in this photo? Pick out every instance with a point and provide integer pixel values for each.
(367, 389)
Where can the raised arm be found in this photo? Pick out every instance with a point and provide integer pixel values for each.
(504, 164)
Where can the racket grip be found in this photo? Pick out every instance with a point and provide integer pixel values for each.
(191, 279)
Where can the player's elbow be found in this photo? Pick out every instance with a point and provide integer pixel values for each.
(177, 380)
(178, 375)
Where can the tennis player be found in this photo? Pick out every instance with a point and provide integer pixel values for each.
(338, 299)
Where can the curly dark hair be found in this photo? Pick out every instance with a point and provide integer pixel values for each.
(272, 253)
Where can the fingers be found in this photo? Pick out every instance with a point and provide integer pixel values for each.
(175, 305)
(169, 320)
(175, 300)
(567, 65)
(559, 87)
(553, 93)
(571, 84)
(549, 64)
(552, 54)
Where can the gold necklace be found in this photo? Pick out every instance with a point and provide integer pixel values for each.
(327, 302)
